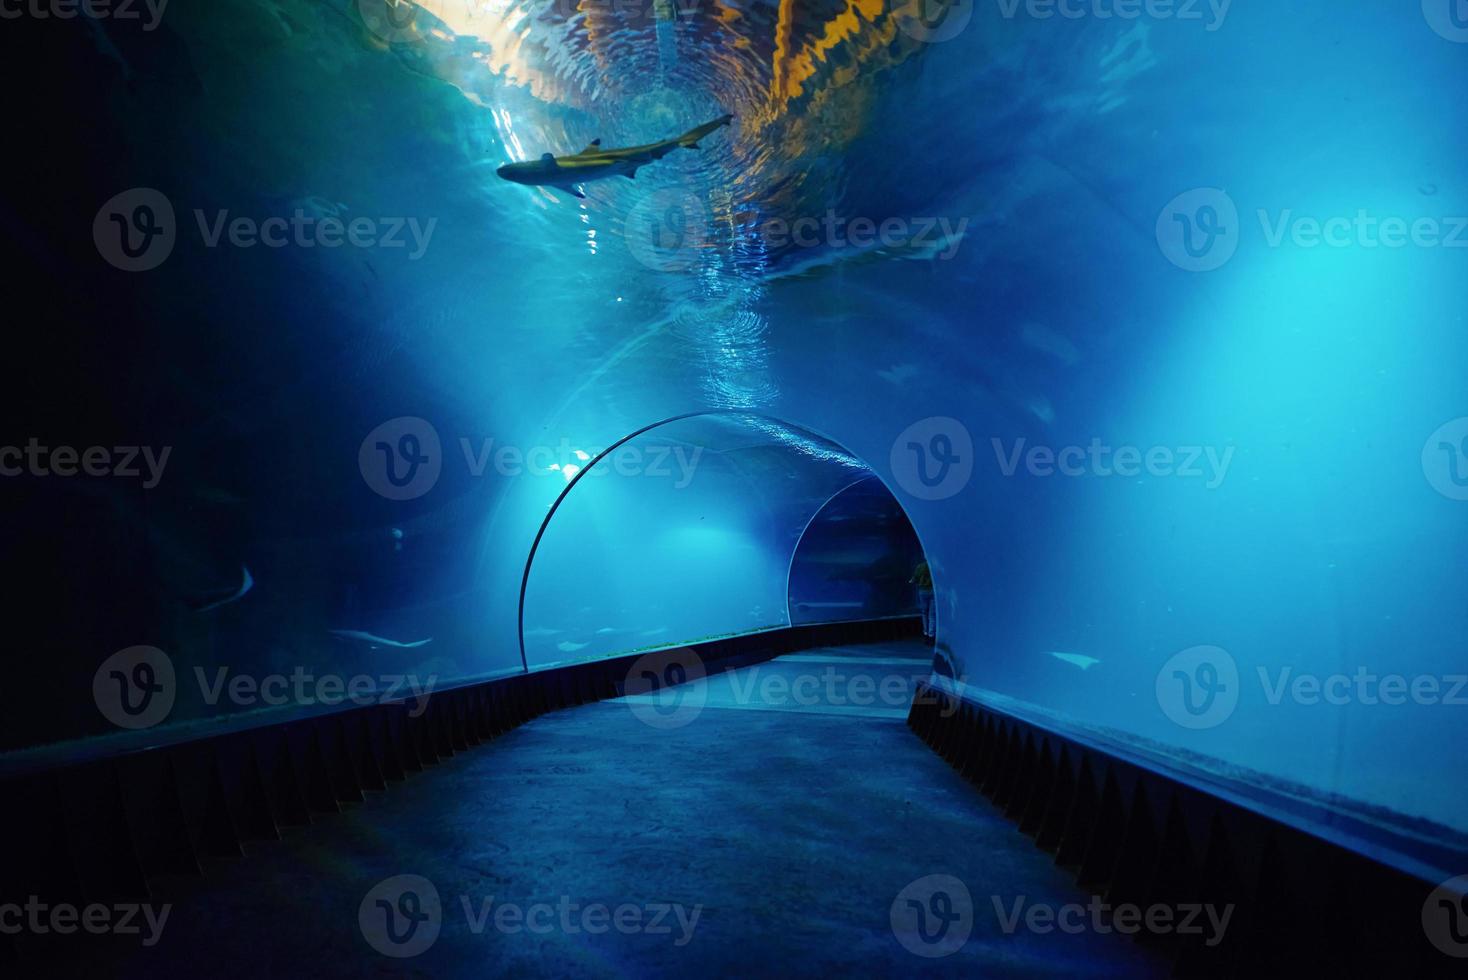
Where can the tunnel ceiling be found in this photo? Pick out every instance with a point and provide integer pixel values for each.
(803, 81)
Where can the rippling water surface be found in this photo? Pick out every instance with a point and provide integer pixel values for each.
(803, 81)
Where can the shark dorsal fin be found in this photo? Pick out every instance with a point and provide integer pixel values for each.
(547, 158)
(593, 145)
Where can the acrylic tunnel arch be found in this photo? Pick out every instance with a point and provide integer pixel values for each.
(697, 527)
(856, 559)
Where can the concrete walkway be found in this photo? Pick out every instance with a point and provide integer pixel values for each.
(762, 823)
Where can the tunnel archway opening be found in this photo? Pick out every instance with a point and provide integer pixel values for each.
(698, 527)
(858, 558)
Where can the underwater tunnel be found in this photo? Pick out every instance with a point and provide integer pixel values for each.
(703, 525)
(641, 488)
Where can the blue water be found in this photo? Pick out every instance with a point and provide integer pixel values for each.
(1075, 256)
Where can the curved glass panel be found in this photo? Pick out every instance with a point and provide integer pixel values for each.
(680, 534)
(856, 559)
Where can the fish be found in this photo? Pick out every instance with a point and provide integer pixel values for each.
(899, 374)
(318, 207)
(1079, 659)
(1048, 341)
(566, 646)
(374, 641)
(223, 597)
(594, 163)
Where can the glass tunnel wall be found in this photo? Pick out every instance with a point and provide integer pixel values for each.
(683, 533)
(1294, 507)
(856, 559)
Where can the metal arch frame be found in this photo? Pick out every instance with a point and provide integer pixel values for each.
(735, 412)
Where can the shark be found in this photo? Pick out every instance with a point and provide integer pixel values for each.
(594, 163)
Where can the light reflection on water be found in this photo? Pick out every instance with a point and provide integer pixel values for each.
(799, 81)
(686, 241)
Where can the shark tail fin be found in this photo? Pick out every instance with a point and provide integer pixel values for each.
(689, 140)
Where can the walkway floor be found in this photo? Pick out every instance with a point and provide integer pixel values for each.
(787, 813)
